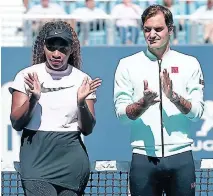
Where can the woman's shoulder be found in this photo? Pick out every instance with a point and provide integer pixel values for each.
(79, 74)
(32, 68)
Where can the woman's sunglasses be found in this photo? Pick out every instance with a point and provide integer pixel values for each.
(53, 45)
(62, 49)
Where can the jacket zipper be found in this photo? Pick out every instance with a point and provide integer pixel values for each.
(161, 107)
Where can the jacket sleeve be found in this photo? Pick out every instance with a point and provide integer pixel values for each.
(123, 91)
(195, 88)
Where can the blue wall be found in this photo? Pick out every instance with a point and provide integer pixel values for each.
(110, 139)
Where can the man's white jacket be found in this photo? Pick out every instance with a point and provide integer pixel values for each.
(149, 135)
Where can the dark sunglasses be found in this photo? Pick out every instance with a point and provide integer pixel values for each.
(62, 49)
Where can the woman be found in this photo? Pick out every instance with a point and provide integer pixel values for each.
(53, 103)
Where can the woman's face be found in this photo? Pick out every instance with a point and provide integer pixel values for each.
(57, 53)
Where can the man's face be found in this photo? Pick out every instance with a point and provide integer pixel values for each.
(210, 4)
(90, 4)
(168, 3)
(156, 32)
(45, 3)
(127, 1)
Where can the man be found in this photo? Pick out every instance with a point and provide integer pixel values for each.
(87, 19)
(126, 14)
(159, 92)
(205, 11)
(175, 8)
(44, 8)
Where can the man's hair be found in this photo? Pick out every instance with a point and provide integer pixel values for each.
(154, 10)
(38, 47)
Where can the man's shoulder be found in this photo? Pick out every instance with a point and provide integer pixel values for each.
(55, 6)
(131, 59)
(134, 56)
(34, 9)
(80, 10)
(119, 6)
(99, 11)
(183, 57)
(187, 61)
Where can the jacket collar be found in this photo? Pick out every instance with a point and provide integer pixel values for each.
(152, 57)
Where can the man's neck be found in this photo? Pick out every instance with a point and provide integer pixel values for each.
(91, 8)
(159, 53)
(128, 4)
(168, 6)
(45, 6)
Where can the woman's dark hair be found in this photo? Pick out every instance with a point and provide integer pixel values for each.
(155, 9)
(38, 47)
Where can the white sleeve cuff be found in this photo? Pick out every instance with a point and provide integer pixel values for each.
(194, 114)
(122, 116)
